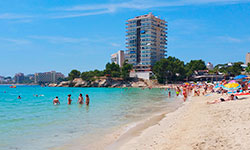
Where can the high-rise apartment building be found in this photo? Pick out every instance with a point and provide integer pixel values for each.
(118, 58)
(19, 78)
(146, 41)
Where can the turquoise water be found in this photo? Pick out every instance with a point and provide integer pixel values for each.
(33, 123)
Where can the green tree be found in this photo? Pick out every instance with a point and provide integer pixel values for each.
(235, 69)
(126, 68)
(87, 76)
(74, 74)
(169, 69)
(194, 65)
(248, 68)
(91, 75)
(112, 70)
(232, 70)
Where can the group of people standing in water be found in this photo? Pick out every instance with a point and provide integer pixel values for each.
(79, 101)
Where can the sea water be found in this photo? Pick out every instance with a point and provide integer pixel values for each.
(34, 123)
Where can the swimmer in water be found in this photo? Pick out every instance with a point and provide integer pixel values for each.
(80, 99)
(87, 99)
(19, 97)
(56, 101)
(69, 99)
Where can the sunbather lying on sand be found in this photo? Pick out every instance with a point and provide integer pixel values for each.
(231, 97)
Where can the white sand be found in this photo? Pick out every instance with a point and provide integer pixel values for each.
(198, 126)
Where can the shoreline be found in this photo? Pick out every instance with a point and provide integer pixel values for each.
(197, 125)
(118, 135)
(135, 129)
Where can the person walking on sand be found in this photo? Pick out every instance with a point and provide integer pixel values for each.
(56, 101)
(69, 99)
(184, 93)
(87, 99)
(80, 99)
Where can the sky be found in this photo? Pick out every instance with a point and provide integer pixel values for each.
(61, 35)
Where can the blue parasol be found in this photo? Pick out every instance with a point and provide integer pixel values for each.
(240, 77)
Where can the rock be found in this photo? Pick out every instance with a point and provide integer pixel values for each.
(102, 83)
(52, 85)
(77, 82)
(94, 84)
(64, 84)
(139, 84)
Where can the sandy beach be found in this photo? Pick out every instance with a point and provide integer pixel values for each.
(197, 126)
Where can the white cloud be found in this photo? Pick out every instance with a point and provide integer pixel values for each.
(145, 4)
(59, 39)
(230, 39)
(15, 41)
(81, 14)
(115, 44)
(14, 16)
(98, 9)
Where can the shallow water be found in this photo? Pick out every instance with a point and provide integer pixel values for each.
(34, 123)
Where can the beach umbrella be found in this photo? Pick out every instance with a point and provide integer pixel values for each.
(218, 85)
(240, 77)
(232, 81)
(231, 86)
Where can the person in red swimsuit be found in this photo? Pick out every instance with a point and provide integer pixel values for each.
(184, 93)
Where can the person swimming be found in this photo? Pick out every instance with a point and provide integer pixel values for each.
(87, 99)
(80, 99)
(19, 97)
(69, 99)
(56, 101)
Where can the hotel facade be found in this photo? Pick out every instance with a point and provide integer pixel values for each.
(118, 58)
(146, 41)
(48, 77)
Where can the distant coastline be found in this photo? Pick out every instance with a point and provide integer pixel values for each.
(17, 84)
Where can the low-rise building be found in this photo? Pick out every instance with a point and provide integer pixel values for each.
(210, 66)
(118, 58)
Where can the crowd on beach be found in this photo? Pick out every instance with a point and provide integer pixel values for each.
(203, 88)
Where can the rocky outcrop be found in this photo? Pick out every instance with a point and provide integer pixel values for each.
(52, 85)
(105, 82)
(64, 84)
